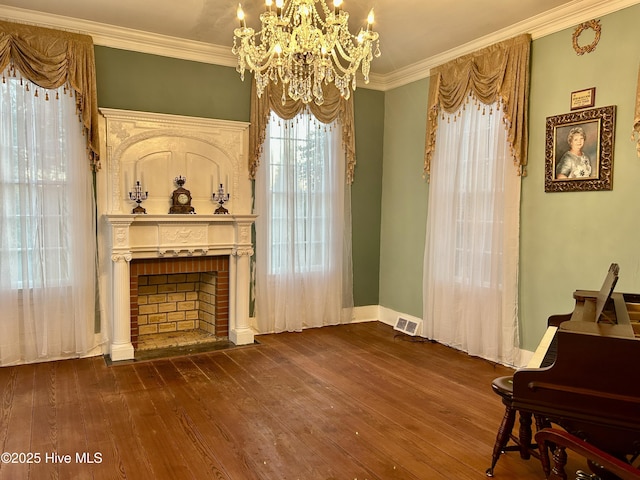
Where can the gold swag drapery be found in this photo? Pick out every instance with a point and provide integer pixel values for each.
(497, 72)
(636, 119)
(51, 58)
(334, 107)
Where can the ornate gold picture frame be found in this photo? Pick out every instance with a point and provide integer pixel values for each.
(579, 150)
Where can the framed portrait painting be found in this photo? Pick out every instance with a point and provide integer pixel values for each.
(579, 150)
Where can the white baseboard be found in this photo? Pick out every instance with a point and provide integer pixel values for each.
(388, 316)
(367, 313)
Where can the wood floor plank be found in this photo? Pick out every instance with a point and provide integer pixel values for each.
(164, 453)
(16, 421)
(133, 457)
(400, 421)
(200, 398)
(197, 457)
(100, 449)
(244, 420)
(316, 411)
(44, 433)
(297, 429)
(336, 403)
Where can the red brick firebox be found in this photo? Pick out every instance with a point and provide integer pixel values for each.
(160, 266)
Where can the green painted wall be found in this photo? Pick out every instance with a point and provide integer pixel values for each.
(568, 239)
(404, 199)
(151, 83)
(136, 81)
(366, 195)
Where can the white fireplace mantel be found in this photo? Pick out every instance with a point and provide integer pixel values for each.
(154, 149)
(158, 236)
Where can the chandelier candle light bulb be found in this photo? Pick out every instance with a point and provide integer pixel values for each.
(305, 45)
(240, 14)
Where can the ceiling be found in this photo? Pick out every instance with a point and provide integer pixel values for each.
(412, 32)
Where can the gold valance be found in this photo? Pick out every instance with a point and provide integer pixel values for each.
(636, 118)
(51, 58)
(334, 107)
(499, 72)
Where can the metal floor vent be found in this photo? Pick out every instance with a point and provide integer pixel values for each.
(410, 327)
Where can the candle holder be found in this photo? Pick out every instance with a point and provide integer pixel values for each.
(138, 196)
(221, 198)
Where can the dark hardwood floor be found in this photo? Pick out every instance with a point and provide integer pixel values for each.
(352, 402)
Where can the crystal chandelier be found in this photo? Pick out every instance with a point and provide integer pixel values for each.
(303, 49)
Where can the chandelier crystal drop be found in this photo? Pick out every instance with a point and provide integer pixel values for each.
(303, 49)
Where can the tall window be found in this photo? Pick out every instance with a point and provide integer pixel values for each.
(303, 227)
(47, 232)
(471, 257)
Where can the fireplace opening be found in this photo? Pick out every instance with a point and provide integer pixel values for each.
(179, 301)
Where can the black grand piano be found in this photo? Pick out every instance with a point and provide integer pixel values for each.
(592, 387)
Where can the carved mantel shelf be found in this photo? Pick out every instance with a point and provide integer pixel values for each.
(147, 236)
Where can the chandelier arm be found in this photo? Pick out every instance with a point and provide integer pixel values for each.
(353, 65)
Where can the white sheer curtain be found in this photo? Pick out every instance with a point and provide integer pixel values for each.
(47, 228)
(303, 229)
(472, 244)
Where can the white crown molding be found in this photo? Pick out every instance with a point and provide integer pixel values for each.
(547, 23)
(126, 38)
(552, 21)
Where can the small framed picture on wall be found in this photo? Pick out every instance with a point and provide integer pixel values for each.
(583, 98)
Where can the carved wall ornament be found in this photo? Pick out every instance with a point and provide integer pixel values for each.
(121, 236)
(242, 252)
(182, 235)
(121, 257)
(590, 25)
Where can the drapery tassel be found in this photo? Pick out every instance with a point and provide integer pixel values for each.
(36, 94)
(46, 96)
(57, 95)
(27, 86)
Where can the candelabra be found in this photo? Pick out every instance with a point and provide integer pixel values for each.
(221, 198)
(138, 196)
